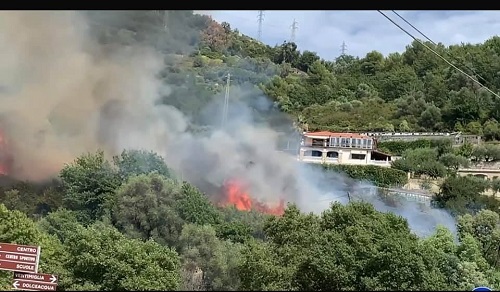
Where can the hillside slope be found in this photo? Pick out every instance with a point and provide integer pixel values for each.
(412, 91)
(171, 210)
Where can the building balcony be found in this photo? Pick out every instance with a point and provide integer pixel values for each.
(312, 159)
(338, 146)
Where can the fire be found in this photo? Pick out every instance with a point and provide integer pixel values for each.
(237, 195)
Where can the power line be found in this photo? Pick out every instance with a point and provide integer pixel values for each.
(294, 29)
(448, 53)
(437, 54)
(260, 20)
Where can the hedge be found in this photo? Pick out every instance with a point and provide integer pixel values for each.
(380, 176)
(398, 147)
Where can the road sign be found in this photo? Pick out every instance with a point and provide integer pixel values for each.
(47, 278)
(19, 258)
(34, 282)
(33, 285)
(24, 249)
(481, 289)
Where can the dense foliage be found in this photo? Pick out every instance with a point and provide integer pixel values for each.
(411, 91)
(153, 232)
(131, 224)
(380, 176)
(399, 147)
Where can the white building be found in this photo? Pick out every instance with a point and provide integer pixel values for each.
(341, 148)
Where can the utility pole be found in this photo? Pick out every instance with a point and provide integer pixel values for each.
(260, 19)
(294, 29)
(226, 102)
(343, 49)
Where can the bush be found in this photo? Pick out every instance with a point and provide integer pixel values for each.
(380, 176)
(443, 145)
(398, 147)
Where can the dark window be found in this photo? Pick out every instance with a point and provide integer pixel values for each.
(358, 156)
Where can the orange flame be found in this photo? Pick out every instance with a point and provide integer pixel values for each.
(237, 195)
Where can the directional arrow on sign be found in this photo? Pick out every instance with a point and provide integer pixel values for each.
(53, 279)
(15, 284)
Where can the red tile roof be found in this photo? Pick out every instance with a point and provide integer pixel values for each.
(333, 134)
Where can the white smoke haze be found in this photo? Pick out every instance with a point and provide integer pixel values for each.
(63, 95)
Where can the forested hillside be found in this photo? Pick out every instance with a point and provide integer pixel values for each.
(412, 91)
(131, 222)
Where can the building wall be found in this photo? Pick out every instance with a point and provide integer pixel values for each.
(344, 156)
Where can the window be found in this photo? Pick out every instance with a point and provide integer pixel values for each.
(332, 154)
(369, 144)
(334, 142)
(317, 142)
(363, 143)
(343, 142)
(358, 156)
(313, 153)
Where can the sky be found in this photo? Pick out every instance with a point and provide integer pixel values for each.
(324, 31)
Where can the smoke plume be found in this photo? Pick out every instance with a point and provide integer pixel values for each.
(62, 95)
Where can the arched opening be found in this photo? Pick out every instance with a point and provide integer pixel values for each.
(481, 176)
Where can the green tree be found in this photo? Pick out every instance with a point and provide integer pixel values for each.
(453, 162)
(194, 207)
(136, 162)
(421, 161)
(403, 126)
(485, 228)
(430, 117)
(466, 150)
(144, 208)
(217, 260)
(101, 257)
(491, 130)
(474, 128)
(88, 183)
(461, 194)
(306, 60)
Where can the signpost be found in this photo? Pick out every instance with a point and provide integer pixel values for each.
(34, 282)
(19, 258)
(23, 261)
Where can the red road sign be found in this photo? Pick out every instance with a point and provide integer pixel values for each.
(19, 258)
(18, 267)
(24, 249)
(11, 256)
(19, 284)
(47, 278)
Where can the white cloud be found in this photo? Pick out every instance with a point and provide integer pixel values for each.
(363, 31)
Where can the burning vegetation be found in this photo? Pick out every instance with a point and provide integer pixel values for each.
(236, 193)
